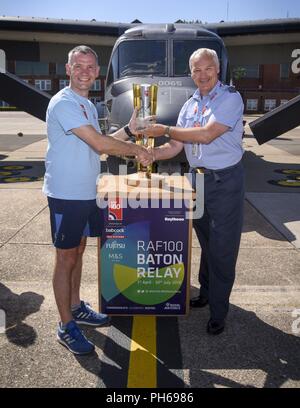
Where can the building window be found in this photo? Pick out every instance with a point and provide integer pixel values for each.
(270, 104)
(103, 70)
(43, 84)
(252, 104)
(63, 83)
(283, 101)
(96, 85)
(61, 69)
(284, 71)
(32, 68)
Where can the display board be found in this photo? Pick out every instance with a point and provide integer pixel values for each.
(144, 256)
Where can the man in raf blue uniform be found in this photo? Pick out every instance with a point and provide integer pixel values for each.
(210, 128)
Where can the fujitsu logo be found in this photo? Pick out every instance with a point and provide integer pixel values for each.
(115, 210)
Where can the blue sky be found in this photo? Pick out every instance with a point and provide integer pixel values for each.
(153, 11)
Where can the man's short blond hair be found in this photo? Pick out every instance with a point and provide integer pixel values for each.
(205, 52)
(84, 49)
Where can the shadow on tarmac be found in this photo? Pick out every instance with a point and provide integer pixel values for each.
(260, 172)
(248, 343)
(263, 177)
(17, 308)
(21, 171)
(250, 136)
(112, 368)
(265, 230)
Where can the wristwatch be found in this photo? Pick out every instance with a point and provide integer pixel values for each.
(167, 131)
(128, 132)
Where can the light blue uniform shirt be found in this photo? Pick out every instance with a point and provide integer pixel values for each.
(72, 166)
(222, 105)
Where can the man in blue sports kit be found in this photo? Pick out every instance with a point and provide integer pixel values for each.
(210, 128)
(72, 168)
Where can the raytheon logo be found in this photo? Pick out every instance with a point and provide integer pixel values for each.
(115, 210)
(174, 219)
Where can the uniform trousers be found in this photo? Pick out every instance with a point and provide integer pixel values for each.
(219, 233)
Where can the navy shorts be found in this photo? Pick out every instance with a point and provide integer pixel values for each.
(73, 219)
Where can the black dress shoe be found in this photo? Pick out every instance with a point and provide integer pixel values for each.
(215, 327)
(198, 301)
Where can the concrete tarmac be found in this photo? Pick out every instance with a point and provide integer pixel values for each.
(260, 346)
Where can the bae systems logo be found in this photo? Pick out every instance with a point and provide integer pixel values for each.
(115, 210)
(172, 306)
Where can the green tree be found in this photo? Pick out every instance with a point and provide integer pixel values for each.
(238, 73)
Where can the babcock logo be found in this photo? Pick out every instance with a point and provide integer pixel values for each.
(115, 210)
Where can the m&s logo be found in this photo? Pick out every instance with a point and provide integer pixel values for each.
(115, 210)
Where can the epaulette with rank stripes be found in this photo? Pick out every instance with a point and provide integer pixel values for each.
(231, 89)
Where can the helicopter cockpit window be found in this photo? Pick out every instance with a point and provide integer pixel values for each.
(182, 50)
(142, 57)
(113, 69)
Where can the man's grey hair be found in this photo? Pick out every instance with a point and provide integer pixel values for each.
(205, 52)
(84, 49)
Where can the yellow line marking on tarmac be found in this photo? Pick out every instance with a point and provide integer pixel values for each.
(142, 363)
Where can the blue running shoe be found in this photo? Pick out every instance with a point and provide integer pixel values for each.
(73, 338)
(86, 315)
